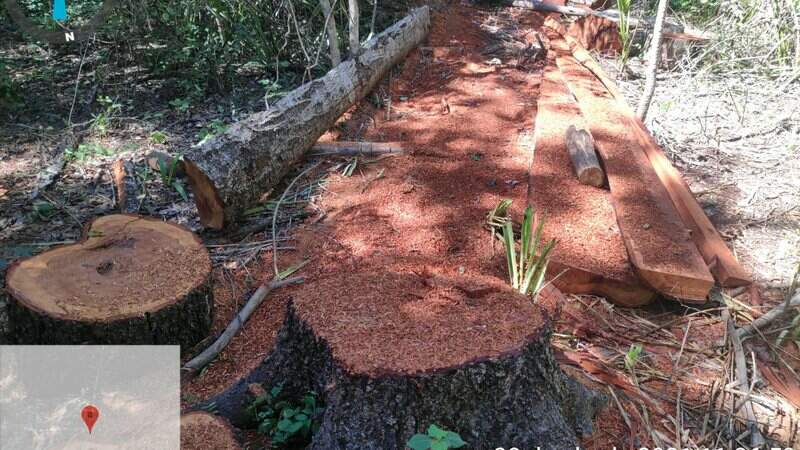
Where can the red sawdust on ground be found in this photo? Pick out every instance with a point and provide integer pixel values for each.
(426, 211)
(410, 227)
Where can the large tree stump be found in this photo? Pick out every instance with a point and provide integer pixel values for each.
(232, 171)
(391, 353)
(204, 431)
(131, 280)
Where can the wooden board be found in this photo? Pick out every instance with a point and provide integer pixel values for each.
(658, 242)
(723, 264)
(590, 256)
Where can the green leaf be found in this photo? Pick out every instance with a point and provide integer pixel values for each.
(439, 445)
(419, 442)
(284, 425)
(435, 432)
(511, 257)
(179, 188)
(454, 440)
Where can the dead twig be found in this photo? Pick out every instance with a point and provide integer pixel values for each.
(208, 355)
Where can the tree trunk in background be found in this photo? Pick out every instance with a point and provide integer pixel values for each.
(352, 7)
(375, 15)
(333, 36)
(231, 172)
(652, 64)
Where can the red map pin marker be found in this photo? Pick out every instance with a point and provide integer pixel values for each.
(90, 414)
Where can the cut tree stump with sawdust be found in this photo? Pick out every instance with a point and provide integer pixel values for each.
(205, 431)
(231, 172)
(131, 280)
(659, 244)
(391, 353)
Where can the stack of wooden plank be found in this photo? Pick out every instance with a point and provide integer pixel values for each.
(644, 232)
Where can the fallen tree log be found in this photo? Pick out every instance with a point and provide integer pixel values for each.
(610, 14)
(584, 159)
(394, 354)
(230, 172)
(131, 280)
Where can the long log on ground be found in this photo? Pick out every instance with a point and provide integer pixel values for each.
(204, 431)
(131, 280)
(355, 148)
(590, 257)
(723, 264)
(658, 242)
(609, 14)
(390, 356)
(231, 172)
(584, 159)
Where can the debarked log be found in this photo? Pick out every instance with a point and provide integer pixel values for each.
(230, 172)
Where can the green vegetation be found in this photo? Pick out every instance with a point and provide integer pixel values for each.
(103, 121)
(435, 439)
(527, 268)
(289, 423)
(625, 32)
(632, 357)
(167, 171)
(85, 152)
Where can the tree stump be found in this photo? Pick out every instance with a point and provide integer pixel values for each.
(391, 353)
(130, 280)
(204, 431)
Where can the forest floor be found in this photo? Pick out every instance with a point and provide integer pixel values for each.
(463, 105)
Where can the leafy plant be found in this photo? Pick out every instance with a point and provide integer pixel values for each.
(102, 121)
(286, 421)
(632, 357)
(215, 128)
(526, 269)
(181, 104)
(167, 171)
(158, 137)
(625, 33)
(435, 439)
(85, 152)
(43, 210)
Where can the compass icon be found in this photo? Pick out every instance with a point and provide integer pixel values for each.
(62, 29)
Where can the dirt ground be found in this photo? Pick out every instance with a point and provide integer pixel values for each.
(461, 106)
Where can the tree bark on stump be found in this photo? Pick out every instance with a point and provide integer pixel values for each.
(230, 172)
(516, 398)
(131, 280)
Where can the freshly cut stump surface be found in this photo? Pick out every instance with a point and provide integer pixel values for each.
(204, 431)
(397, 351)
(131, 280)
